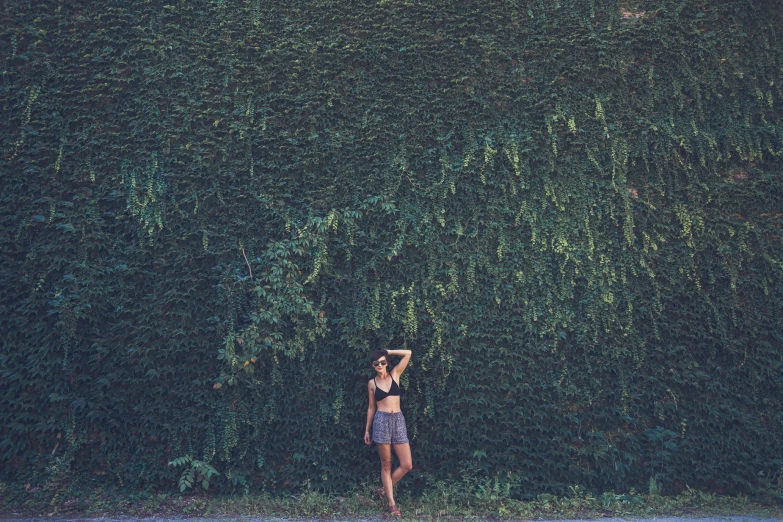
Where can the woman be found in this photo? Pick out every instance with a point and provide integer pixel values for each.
(388, 424)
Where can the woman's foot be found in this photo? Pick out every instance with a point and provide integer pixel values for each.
(394, 511)
(380, 493)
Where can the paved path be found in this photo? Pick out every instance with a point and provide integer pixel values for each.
(274, 519)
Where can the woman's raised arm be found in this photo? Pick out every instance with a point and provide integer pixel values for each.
(406, 357)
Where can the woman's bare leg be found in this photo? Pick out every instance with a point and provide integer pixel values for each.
(384, 452)
(403, 452)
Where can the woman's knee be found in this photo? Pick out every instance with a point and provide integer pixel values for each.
(406, 466)
(386, 465)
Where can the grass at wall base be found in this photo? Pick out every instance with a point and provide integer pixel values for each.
(454, 500)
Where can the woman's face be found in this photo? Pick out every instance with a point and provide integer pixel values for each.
(380, 364)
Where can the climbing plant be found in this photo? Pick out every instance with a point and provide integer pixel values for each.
(570, 211)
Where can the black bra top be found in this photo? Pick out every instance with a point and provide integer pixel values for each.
(380, 394)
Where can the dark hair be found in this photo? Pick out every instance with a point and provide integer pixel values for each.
(377, 354)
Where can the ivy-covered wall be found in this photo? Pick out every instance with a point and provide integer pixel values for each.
(569, 210)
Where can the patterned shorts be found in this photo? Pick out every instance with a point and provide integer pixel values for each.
(389, 428)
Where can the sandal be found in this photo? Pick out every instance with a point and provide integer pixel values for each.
(380, 493)
(394, 511)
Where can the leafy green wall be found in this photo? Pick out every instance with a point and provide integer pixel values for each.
(569, 210)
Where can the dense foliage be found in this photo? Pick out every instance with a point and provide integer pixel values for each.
(569, 210)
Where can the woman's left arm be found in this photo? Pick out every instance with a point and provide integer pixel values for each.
(406, 357)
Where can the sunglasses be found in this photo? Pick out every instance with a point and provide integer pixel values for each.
(379, 363)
